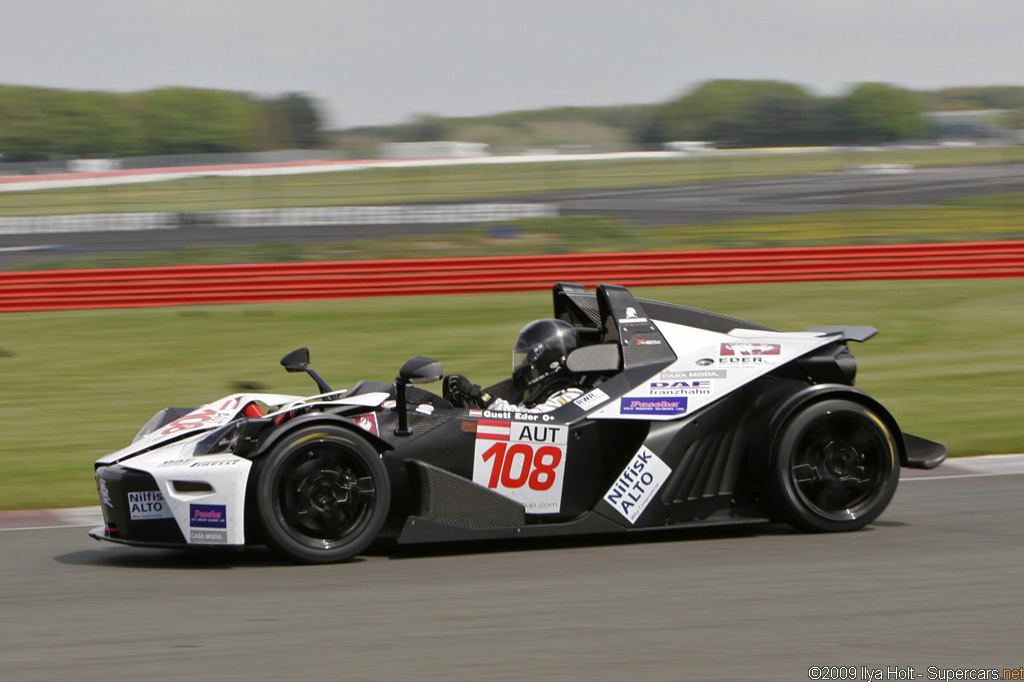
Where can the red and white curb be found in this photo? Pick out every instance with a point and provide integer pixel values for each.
(963, 467)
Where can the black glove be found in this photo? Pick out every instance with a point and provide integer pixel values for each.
(460, 392)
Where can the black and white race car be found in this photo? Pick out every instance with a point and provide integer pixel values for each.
(687, 418)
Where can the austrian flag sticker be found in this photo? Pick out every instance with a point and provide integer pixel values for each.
(493, 429)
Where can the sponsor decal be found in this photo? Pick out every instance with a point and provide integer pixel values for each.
(202, 463)
(101, 485)
(367, 422)
(591, 400)
(148, 504)
(522, 461)
(637, 485)
(207, 537)
(425, 408)
(644, 340)
(750, 349)
(653, 405)
(207, 416)
(174, 463)
(631, 317)
(705, 362)
(207, 516)
(520, 416)
(672, 375)
(691, 387)
(748, 355)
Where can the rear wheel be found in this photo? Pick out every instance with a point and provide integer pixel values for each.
(835, 467)
(322, 495)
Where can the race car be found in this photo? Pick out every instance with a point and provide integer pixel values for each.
(686, 418)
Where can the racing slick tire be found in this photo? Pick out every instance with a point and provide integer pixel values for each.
(322, 495)
(835, 467)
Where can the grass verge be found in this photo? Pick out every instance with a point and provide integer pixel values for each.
(75, 385)
(402, 185)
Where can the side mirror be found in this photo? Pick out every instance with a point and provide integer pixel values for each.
(419, 370)
(298, 361)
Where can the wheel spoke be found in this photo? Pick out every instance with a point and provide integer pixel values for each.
(363, 488)
(831, 495)
(322, 494)
(805, 473)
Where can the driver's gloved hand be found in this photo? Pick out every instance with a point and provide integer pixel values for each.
(460, 392)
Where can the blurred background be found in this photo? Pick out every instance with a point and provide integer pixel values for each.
(170, 175)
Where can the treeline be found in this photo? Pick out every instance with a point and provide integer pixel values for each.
(768, 113)
(729, 113)
(38, 123)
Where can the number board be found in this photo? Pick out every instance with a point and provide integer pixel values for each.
(524, 462)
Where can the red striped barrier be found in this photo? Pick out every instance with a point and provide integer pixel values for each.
(190, 285)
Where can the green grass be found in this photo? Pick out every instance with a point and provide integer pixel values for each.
(395, 185)
(1002, 218)
(75, 385)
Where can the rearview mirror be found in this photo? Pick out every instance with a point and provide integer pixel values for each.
(297, 360)
(420, 370)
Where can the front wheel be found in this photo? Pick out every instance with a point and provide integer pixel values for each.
(835, 467)
(322, 495)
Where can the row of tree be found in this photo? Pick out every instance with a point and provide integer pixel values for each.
(38, 123)
(734, 113)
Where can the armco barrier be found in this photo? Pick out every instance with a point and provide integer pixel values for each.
(190, 285)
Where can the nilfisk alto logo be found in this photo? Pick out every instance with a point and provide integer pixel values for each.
(637, 485)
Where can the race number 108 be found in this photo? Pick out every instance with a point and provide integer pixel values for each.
(519, 464)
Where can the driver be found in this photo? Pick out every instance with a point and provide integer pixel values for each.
(538, 370)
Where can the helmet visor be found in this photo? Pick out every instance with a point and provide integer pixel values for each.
(524, 356)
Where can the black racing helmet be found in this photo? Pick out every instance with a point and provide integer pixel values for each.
(538, 360)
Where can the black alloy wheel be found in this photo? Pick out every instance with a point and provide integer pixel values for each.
(322, 495)
(836, 467)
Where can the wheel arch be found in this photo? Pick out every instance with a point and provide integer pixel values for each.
(317, 419)
(817, 393)
(273, 517)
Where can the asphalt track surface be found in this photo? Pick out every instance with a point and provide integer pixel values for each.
(682, 204)
(935, 582)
